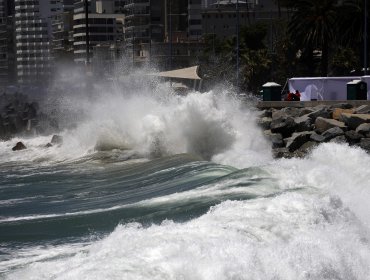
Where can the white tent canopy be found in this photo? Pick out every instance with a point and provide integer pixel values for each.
(189, 73)
(324, 88)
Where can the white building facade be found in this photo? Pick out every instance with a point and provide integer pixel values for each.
(33, 31)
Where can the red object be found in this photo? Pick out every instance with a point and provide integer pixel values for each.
(290, 96)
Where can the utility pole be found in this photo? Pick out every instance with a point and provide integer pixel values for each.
(150, 33)
(237, 44)
(86, 4)
(365, 39)
(170, 19)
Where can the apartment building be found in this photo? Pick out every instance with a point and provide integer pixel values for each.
(163, 32)
(195, 19)
(220, 17)
(62, 31)
(7, 51)
(33, 32)
(105, 26)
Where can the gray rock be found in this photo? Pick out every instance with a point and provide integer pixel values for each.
(305, 111)
(280, 152)
(342, 106)
(279, 115)
(291, 111)
(363, 109)
(323, 124)
(303, 123)
(365, 144)
(275, 138)
(363, 129)
(265, 122)
(266, 113)
(283, 126)
(297, 140)
(56, 140)
(333, 132)
(308, 146)
(323, 112)
(19, 146)
(48, 145)
(339, 139)
(317, 137)
(353, 137)
(354, 120)
(277, 141)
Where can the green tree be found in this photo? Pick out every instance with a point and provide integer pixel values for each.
(343, 61)
(313, 25)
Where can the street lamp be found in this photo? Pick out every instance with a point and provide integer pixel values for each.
(365, 39)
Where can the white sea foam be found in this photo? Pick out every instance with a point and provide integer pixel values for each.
(316, 229)
(292, 236)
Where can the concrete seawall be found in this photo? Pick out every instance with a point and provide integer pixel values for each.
(303, 104)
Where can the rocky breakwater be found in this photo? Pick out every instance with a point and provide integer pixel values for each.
(293, 132)
(19, 116)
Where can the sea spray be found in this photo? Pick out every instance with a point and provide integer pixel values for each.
(206, 124)
(119, 200)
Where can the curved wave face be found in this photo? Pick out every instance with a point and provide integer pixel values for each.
(156, 186)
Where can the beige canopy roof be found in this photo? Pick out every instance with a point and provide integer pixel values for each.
(184, 73)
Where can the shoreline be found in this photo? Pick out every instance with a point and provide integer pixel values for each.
(294, 128)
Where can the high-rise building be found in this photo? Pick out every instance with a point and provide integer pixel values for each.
(105, 25)
(195, 19)
(7, 51)
(33, 33)
(138, 29)
(162, 32)
(62, 29)
(220, 18)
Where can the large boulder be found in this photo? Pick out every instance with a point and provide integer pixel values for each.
(291, 111)
(284, 126)
(353, 137)
(282, 153)
(266, 113)
(339, 139)
(321, 111)
(332, 133)
(364, 129)
(303, 123)
(323, 124)
(297, 140)
(56, 140)
(363, 109)
(278, 115)
(305, 111)
(339, 111)
(317, 137)
(19, 146)
(354, 120)
(365, 144)
(265, 122)
(275, 138)
(308, 147)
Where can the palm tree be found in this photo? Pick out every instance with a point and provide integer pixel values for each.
(313, 25)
